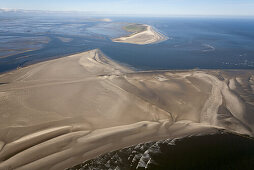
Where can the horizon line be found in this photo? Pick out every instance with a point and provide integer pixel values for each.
(121, 14)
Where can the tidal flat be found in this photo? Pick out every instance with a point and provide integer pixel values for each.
(59, 113)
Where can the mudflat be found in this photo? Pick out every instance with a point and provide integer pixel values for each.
(59, 113)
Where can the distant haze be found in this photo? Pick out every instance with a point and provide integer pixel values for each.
(139, 7)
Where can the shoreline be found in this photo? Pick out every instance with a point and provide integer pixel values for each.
(149, 36)
(55, 118)
(125, 65)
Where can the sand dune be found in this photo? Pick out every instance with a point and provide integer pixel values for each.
(59, 113)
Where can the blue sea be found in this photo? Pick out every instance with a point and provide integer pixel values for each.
(194, 42)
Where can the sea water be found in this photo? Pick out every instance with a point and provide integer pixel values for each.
(205, 43)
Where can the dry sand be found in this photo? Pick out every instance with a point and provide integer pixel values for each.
(59, 113)
(148, 36)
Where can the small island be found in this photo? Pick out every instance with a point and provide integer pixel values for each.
(141, 34)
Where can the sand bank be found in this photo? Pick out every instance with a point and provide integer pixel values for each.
(148, 36)
(59, 113)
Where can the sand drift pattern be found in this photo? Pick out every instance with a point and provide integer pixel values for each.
(59, 113)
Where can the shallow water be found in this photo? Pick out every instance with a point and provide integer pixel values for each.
(205, 43)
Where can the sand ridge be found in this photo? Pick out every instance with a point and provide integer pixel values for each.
(61, 112)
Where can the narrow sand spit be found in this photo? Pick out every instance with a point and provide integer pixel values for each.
(59, 113)
(148, 36)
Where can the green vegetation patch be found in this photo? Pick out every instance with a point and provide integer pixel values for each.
(135, 28)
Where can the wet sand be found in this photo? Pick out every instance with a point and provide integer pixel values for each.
(59, 113)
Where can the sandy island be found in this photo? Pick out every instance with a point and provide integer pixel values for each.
(146, 36)
(59, 113)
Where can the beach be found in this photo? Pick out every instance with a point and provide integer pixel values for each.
(148, 36)
(59, 113)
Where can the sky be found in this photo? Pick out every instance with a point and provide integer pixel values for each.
(139, 7)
